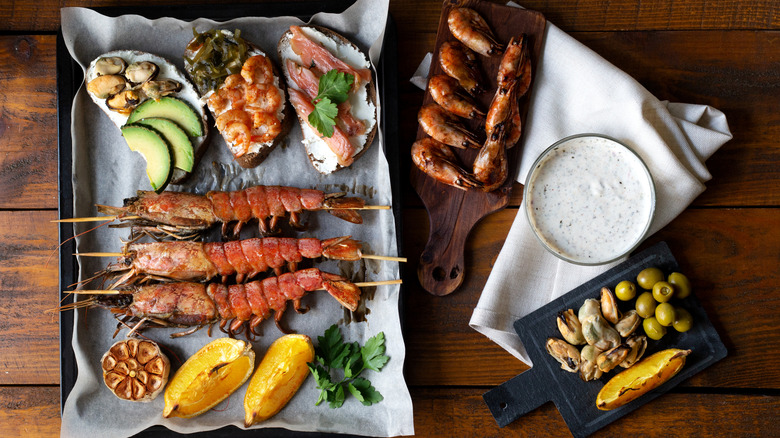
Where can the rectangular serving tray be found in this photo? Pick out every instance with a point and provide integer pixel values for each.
(574, 398)
(69, 79)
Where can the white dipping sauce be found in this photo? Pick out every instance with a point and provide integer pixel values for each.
(589, 199)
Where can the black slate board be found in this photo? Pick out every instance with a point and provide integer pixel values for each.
(574, 398)
(69, 78)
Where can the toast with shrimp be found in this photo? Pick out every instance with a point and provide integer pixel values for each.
(140, 88)
(241, 87)
(333, 93)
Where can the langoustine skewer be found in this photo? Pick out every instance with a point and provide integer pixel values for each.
(198, 261)
(185, 215)
(235, 307)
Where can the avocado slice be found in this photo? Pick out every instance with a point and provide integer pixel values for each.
(170, 108)
(181, 146)
(155, 151)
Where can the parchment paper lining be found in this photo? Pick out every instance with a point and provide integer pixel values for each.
(105, 171)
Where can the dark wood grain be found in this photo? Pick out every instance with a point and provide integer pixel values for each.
(708, 244)
(453, 212)
(724, 54)
(29, 353)
(588, 15)
(28, 122)
(34, 412)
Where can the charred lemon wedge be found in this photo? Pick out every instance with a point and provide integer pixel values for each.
(208, 377)
(278, 377)
(643, 377)
(135, 370)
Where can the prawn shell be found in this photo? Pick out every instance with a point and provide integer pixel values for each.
(321, 157)
(258, 152)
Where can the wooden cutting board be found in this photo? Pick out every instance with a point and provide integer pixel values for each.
(574, 398)
(453, 212)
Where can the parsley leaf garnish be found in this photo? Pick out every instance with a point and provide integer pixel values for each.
(332, 353)
(333, 89)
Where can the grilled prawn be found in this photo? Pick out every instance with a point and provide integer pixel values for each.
(447, 93)
(186, 215)
(460, 63)
(438, 161)
(235, 307)
(197, 261)
(502, 121)
(440, 125)
(471, 29)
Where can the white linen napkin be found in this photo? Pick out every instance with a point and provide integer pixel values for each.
(576, 91)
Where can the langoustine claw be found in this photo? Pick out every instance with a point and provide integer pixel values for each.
(438, 161)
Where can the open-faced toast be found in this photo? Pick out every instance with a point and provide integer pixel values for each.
(309, 56)
(139, 88)
(242, 89)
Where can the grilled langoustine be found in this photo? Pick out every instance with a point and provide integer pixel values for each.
(186, 215)
(235, 307)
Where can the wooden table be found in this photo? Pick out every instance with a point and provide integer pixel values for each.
(725, 54)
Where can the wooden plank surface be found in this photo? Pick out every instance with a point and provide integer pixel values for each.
(589, 15)
(34, 412)
(726, 54)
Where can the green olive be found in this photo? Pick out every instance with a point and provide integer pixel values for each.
(682, 286)
(645, 305)
(683, 320)
(625, 290)
(648, 277)
(663, 291)
(664, 313)
(653, 328)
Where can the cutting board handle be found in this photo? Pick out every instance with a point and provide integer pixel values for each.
(517, 397)
(441, 267)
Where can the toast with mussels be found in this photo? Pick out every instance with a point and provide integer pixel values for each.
(333, 93)
(241, 87)
(150, 94)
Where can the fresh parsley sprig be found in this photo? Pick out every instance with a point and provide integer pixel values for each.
(333, 89)
(332, 353)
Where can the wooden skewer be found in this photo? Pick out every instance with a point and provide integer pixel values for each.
(119, 254)
(365, 207)
(118, 292)
(127, 218)
(95, 219)
(379, 257)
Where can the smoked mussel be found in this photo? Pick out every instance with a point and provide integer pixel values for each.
(589, 369)
(570, 327)
(638, 344)
(565, 353)
(609, 306)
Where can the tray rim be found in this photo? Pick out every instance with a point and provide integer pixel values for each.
(69, 79)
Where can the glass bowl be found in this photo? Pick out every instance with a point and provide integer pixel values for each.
(589, 199)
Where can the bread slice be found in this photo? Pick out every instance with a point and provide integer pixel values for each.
(167, 71)
(362, 98)
(258, 151)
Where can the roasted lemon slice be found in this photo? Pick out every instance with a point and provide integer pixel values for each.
(641, 378)
(208, 377)
(278, 377)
